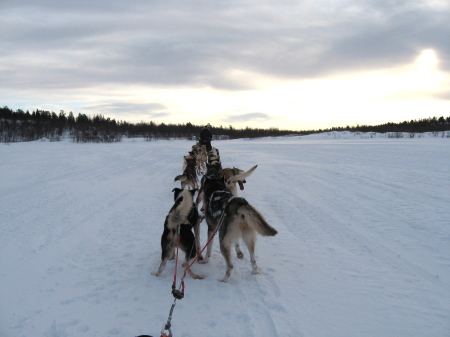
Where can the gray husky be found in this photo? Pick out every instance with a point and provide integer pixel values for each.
(233, 176)
(237, 219)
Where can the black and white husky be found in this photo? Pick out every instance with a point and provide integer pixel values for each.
(237, 219)
(189, 176)
(182, 218)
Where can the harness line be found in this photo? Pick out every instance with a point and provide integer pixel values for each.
(177, 294)
(208, 242)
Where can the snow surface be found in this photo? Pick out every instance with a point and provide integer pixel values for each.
(363, 247)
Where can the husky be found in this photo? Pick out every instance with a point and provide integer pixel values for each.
(214, 152)
(237, 219)
(202, 155)
(182, 217)
(213, 156)
(189, 176)
(235, 175)
(232, 177)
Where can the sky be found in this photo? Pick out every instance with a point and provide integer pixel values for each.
(295, 65)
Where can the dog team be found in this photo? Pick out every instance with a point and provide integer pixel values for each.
(220, 206)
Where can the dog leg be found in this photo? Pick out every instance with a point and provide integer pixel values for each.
(197, 239)
(250, 240)
(239, 253)
(161, 267)
(209, 248)
(191, 273)
(225, 250)
(200, 197)
(167, 251)
(187, 244)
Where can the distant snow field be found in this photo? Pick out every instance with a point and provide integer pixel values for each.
(363, 247)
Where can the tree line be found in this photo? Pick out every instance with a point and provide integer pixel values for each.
(431, 124)
(18, 126)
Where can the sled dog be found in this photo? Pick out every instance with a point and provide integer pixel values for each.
(202, 155)
(232, 177)
(189, 176)
(213, 157)
(214, 152)
(182, 217)
(235, 176)
(237, 219)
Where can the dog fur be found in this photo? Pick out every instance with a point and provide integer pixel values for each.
(213, 156)
(214, 159)
(240, 220)
(189, 176)
(202, 155)
(183, 213)
(235, 176)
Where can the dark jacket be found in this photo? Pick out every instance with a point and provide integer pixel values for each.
(205, 136)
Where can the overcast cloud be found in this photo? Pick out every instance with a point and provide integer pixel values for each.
(70, 46)
(247, 117)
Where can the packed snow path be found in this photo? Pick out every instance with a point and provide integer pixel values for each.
(363, 247)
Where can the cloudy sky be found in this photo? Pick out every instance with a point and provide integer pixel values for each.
(295, 65)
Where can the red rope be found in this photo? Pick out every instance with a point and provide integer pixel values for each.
(200, 253)
(194, 260)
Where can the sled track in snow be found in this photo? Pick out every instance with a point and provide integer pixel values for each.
(362, 248)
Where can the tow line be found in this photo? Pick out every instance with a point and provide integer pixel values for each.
(177, 293)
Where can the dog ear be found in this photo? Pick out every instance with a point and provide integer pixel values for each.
(177, 192)
(181, 178)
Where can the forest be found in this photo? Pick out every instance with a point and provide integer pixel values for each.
(21, 126)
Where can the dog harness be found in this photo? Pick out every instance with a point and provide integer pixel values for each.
(218, 202)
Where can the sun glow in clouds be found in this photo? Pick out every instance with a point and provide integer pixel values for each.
(363, 96)
(366, 97)
(427, 60)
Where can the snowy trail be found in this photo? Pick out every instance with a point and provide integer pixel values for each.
(363, 246)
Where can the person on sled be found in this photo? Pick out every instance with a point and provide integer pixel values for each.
(205, 137)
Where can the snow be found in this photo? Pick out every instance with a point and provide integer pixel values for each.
(363, 247)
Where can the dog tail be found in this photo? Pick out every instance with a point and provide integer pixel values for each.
(244, 175)
(256, 220)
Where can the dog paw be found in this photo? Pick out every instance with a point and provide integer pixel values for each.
(155, 273)
(199, 277)
(204, 261)
(195, 275)
(240, 256)
(255, 272)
